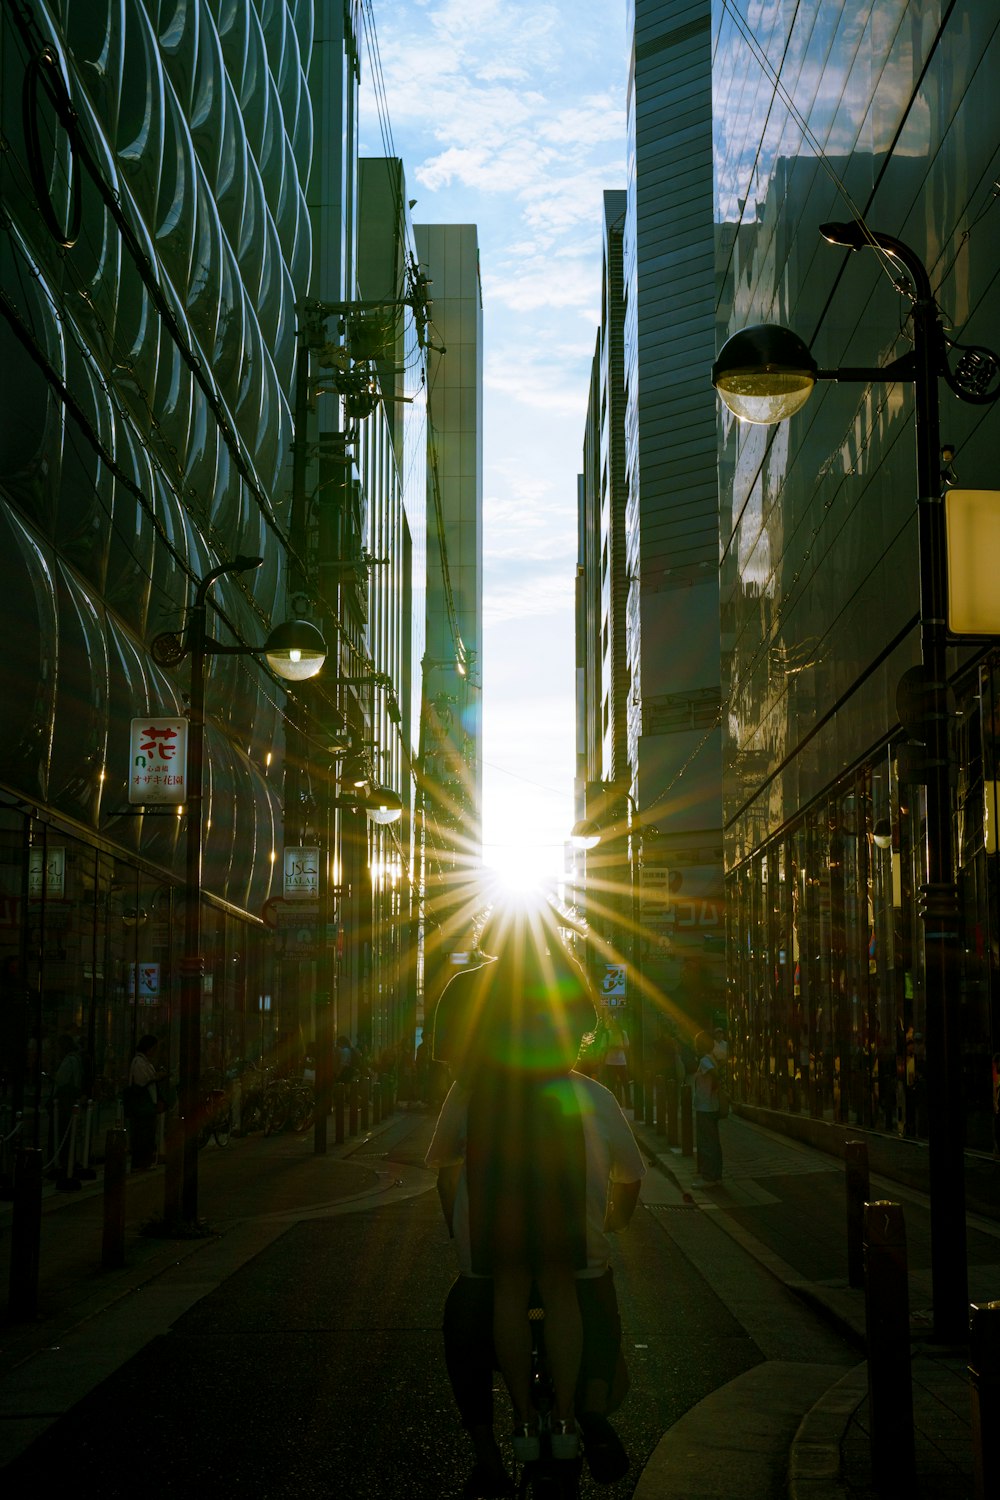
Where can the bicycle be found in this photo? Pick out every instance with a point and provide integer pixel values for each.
(287, 1102)
(217, 1116)
(546, 1478)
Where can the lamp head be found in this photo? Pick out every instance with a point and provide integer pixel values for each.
(852, 236)
(295, 650)
(882, 833)
(585, 834)
(384, 805)
(764, 374)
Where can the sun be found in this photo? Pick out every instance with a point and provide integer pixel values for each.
(519, 868)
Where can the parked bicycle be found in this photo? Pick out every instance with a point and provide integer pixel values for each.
(252, 1085)
(288, 1104)
(217, 1113)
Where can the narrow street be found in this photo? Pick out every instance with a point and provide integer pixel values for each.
(316, 1369)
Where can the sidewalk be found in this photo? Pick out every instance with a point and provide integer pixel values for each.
(90, 1321)
(784, 1203)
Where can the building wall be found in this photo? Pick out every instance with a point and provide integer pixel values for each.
(149, 342)
(819, 572)
(671, 519)
(452, 666)
(604, 873)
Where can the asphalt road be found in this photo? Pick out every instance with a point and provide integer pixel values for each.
(316, 1370)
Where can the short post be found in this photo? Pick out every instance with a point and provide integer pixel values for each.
(660, 1104)
(377, 1102)
(113, 1238)
(84, 1170)
(673, 1104)
(339, 1100)
(984, 1379)
(25, 1235)
(887, 1325)
(858, 1194)
(687, 1120)
(366, 1099)
(352, 1112)
(173, 1175)
(67, 1181)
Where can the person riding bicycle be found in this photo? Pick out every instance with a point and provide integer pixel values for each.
(526, 1149)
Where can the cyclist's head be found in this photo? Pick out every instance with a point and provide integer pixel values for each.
(536, 1002)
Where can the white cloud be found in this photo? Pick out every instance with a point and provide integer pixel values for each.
(531, 595)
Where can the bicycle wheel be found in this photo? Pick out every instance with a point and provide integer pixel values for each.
(301, 1111)
(275, 1111)
(222, 1126)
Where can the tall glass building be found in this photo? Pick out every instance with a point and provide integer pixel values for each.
(884, 114)
(196, 272)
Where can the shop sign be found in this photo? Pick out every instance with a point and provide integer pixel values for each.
(147, 977)
(47, 872)
(302, 874)
(655, 887)
(158, 762)
(614, 984)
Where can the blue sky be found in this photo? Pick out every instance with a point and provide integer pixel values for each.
(511, 115)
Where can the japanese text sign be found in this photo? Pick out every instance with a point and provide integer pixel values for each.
(158, 761)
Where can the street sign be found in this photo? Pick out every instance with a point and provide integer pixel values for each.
(614, 985)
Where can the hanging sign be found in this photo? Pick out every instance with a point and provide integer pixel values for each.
(158, 762)
(47, 872)
(972, 531)
(302, 874)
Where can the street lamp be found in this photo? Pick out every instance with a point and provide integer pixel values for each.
(295, 651)
(764, 375)
(587, 834)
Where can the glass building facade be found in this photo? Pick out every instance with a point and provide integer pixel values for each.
(156, 241)
(179, 180)
(830, 112)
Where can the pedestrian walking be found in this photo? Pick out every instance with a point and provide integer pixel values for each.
(615, 1070)
(706, 1112)
(142, 1102)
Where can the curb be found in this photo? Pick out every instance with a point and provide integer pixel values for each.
(814, 1464)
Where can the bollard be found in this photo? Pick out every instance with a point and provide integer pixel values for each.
(887, 1327)
(858, 1194)
(377, 1102)
(25, 1234)
(672, 1104)
(660, 1104)
(173, 1175)
(113, 1239)
(84, 1170)
(67, 1180)
(687, 1120)
(984, 1379)
(366, 1099)
(352, 1113)
(338, 1113)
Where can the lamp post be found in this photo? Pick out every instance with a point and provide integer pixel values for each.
(295, 651)
(587, 834)
(764, 375)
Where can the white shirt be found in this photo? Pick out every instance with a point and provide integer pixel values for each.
(706, 1098)
(611, 1152)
